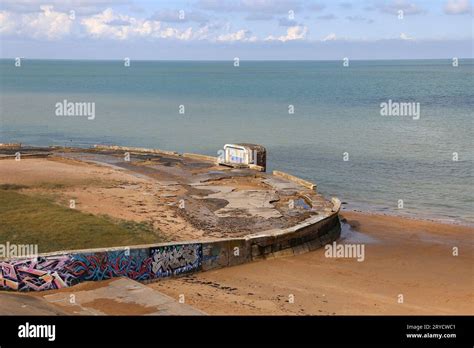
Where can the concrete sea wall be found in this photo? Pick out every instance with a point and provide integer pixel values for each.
(295, 179)
(152, 262)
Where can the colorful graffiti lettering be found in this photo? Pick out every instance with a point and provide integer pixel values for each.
(36, 274)
(134, 264)
(174, 260)
(55, 272)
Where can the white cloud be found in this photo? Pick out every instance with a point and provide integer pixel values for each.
(238, 36)
(404, 36)
(456, 7)
(330, 37)
(111, 25)
(108, 24)
(104, 25)
(47, 24)
(53, 25)
(7, 23)
(292, 33)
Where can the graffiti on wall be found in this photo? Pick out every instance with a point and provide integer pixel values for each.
(176, 259)
(134, 264)
(55, 272)
(36, 274)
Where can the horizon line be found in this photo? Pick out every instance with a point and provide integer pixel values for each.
(231, 59)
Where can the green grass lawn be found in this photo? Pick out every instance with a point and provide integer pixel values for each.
(37, 220)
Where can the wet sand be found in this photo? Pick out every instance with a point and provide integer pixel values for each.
(408, 257)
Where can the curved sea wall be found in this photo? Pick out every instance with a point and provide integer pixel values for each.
(152, 262)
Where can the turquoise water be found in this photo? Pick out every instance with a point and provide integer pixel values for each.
(337, 110)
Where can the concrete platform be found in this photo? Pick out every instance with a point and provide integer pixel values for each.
(118, 296)
(24, 304)
(220, 200)
(217, 200)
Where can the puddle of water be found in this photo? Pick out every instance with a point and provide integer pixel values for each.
(301, 203)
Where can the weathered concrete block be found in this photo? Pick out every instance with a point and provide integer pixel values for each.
(256, 252)
(267, 249)
(239, 252)
(283, 253)
(295, 179)
(215, 255)
(325, 239)
(314, 244)
(300, 249)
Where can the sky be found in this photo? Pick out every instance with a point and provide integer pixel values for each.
(225, 29)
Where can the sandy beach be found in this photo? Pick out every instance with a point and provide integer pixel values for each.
(402, 256)
(100, 190)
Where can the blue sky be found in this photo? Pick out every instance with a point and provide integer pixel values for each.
(249, 29)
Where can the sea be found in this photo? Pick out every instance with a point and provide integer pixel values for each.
(388, 136)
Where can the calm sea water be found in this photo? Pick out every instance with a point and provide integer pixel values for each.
(336, 111)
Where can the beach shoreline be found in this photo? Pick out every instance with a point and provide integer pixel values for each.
(414, 217)
(408, 257)
(403, 255)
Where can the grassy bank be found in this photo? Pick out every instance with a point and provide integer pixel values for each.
(37, 220)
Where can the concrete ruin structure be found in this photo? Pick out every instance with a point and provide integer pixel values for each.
(246, 214)
(245, 155)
